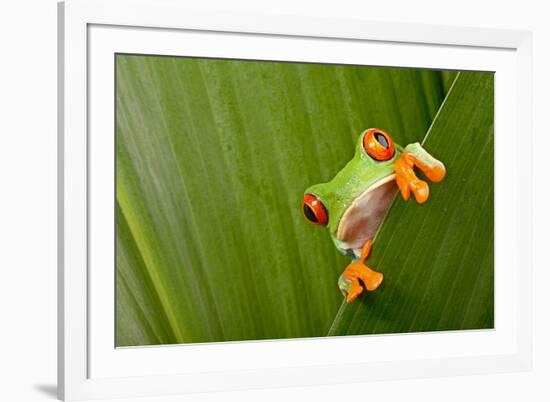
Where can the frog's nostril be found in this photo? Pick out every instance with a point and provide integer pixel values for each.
(314, 210)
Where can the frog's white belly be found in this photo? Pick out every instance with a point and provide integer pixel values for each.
(363, 217)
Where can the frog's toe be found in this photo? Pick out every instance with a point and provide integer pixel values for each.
(372, 280)
(420, 189)
(355, 290)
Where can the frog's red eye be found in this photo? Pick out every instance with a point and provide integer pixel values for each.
(378, 144)
(314, 210)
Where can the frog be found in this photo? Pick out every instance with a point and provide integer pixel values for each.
(354, 203)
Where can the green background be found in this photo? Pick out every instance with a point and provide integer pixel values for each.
(212, 160)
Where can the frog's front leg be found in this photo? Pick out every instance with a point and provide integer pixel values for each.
(405, 177)
(358, 274)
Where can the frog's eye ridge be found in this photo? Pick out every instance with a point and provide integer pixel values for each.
(378, 144)
(314, 210)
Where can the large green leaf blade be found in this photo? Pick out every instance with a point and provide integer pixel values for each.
(140, 314)
(212, 160)
(437, 258)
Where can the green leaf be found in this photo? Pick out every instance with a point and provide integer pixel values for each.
(213, 157)
(448, 78)
(140, 314)
(437, 258)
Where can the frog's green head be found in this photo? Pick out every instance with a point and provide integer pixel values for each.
(353, 204)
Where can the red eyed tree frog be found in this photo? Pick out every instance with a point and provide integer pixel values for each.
(353, 204)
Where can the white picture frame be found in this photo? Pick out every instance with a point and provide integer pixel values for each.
(90, 32)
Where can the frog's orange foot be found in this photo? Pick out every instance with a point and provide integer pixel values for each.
(357, 277)
(407, 180)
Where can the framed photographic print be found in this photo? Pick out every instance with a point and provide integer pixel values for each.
(258, 201)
